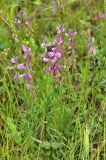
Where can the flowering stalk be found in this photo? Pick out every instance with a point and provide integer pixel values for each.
(56, 51)
(23, 70)
(57, 6)
(22, 20)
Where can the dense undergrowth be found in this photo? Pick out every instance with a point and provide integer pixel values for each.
(52, 80)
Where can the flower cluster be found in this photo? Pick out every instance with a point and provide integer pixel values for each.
(70, 35)
(21, 20)
(57, 5)
(99, 16)
(52, 57)
(23, 70)
(54, 52)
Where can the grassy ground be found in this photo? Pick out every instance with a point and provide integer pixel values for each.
(61, 119)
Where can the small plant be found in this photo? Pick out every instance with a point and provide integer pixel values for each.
(24, 69)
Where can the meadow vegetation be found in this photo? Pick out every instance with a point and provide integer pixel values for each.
(52, 79)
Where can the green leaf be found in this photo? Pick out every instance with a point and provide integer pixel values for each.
(37, 2)
(45, 145)
(11, 126)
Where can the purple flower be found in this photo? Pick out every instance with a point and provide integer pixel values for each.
(14, 60)
(96, 18)
(57, 67)
(61, 7)
(91, 50)
(58, 74)
(55, 42)
(26, 49)
(45, 59)
(75, 33)
(16, 78)
(28, 56)
(17, 21)
(71, 42)
(28, 22)
(102, 16)
(30, 87)
(27, 76)
(54, 49)
(59, 55)
(54, 3)
(54, 10)
(54, 60)
(60, 28)
(60, 41)
(26, 66)
(66, 34)
(70, 33)
(20, 66)
(48, 69)
(22, 13)
(50, 54)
